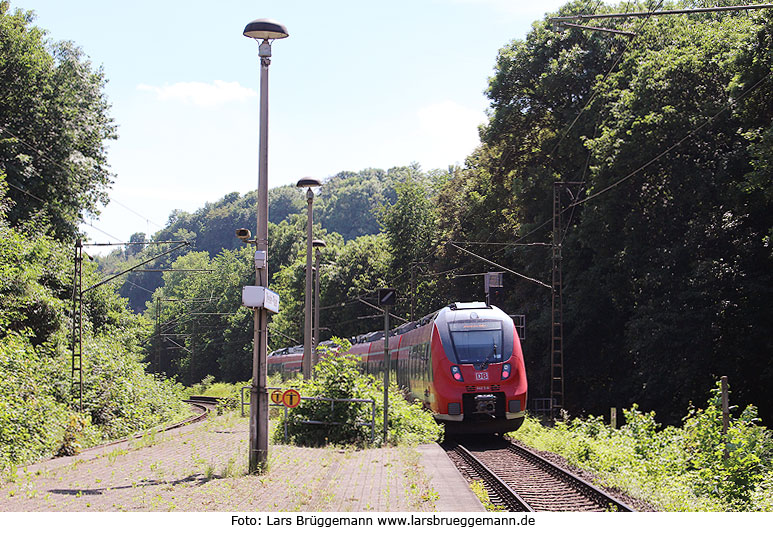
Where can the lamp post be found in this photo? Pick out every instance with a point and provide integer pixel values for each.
(317, 244)
(309, 183)
(264, 31)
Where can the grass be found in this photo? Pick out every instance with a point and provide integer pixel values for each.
(674, 469)
(479, 489)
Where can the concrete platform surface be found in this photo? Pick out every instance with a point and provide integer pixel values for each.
(202, 467)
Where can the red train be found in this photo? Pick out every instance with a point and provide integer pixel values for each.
(464, 363)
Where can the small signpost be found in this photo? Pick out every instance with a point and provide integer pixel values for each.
(291, 398)
(276, 396)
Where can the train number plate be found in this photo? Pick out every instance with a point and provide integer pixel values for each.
(481, 376)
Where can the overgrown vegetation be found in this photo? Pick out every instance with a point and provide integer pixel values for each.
(36, 398)
(338, 376)
(688, 468)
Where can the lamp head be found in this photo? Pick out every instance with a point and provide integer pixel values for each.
(265, 29)
(243, 234)
(308, 182)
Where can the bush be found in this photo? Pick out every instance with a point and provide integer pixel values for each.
(36, 418)
(678, 469)
(120, 397)
(32, 419)
(338, 376)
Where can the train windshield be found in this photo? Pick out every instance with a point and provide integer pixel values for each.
(477, 341)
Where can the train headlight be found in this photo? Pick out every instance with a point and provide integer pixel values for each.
(456, 372)
(505, 371)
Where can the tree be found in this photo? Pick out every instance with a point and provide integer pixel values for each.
(54, 127)
(666, 262)
(411, 231)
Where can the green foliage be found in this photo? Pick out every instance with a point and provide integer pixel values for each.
(410, 226)
(692, 468)
(338, 376)
(119, 396)
(54, 127)
(733, 466)
(71, 441)
(35, 415)
(668, 265)
(32, 415)
(36, 419)
(33, 271)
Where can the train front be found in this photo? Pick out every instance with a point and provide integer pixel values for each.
(478, 375)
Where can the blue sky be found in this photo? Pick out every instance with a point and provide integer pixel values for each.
(357, 84)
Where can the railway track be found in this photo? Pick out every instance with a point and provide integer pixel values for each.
(518, 480)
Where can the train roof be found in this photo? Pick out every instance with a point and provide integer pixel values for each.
(375, 336)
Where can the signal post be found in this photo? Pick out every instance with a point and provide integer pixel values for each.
(386, 298)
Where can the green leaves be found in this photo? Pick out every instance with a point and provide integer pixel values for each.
(669, 134)
(339, 376)
(35, 358)
(692, 468)
(55, 124)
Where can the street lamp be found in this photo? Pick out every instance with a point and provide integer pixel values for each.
(309, 183)
(317, 244)
(264, 31)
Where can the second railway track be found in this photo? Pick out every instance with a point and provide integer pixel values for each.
(519, 480)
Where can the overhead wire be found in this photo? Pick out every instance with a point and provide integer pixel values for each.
(606, 76)
(675, 145)
(45, 156)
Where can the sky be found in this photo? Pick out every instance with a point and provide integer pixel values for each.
(356, 84)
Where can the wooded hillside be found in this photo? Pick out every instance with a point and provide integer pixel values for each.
(663, 143)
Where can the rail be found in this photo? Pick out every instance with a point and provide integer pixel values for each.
(502, 492)
(581, 485)
(519, 479)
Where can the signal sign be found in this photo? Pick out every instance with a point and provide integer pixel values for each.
(291, 398)
(386, 296)
(276, 396)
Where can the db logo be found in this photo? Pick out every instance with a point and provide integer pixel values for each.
(481, 376)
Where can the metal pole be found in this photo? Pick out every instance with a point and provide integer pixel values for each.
(725, 413)
(77, 324)
(307, 329)
(387, 367)
(316, 307)
(413, 289)
(258, 456)
(556, 321)
(157, 367)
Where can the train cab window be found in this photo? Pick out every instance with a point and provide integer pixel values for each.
(477, 341)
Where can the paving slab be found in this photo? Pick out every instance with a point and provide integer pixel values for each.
(203, 467)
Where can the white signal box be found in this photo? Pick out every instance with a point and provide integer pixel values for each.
(260, 297)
